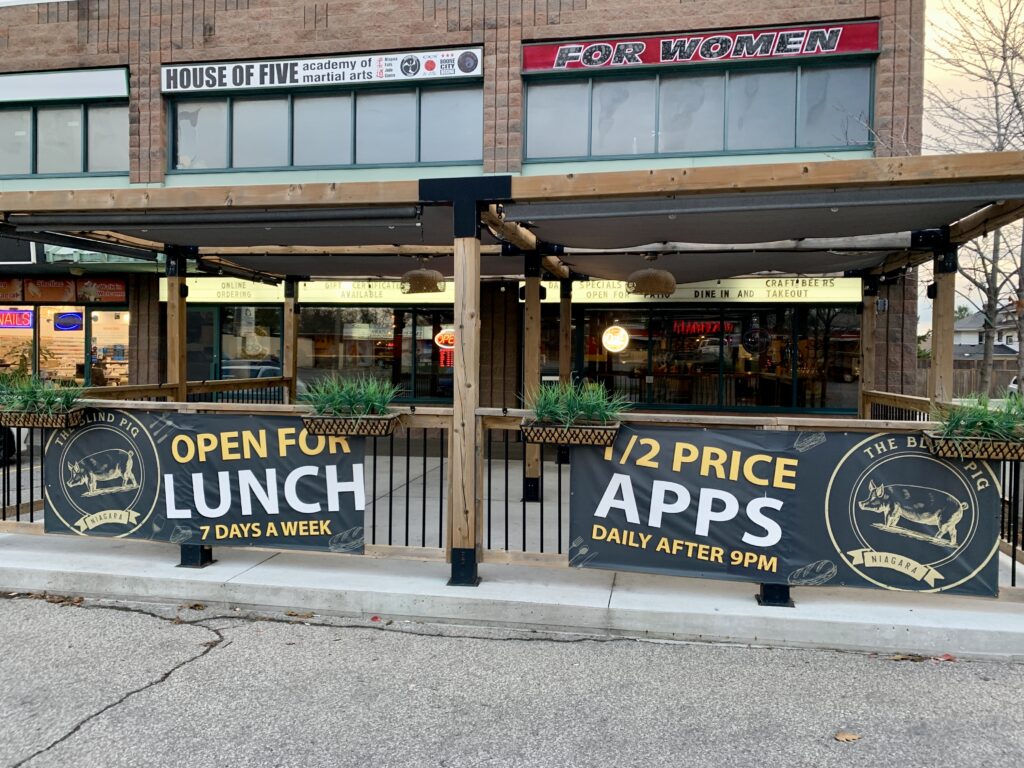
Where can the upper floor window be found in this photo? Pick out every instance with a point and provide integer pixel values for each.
(64, 122)
(727, 111)
(340, 128)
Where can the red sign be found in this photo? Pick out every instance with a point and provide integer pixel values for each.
(10, 290)
(100, 291)
(445, 338)
(54, 291)
(700, 327)
(16, 319)
(704, 47)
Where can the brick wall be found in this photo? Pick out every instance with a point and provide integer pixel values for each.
(143, 34)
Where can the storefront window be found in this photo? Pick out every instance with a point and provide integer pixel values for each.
(346, 342)
(62, 344)
(17, 344)
(108, 348)
(108, 139)
(829, 348)
(624, 371)
(714, 357)
(250, 342)
(259, 133)
(740, 110)
(15, 141)
(59, 140)
(434, 363)
(387, 128)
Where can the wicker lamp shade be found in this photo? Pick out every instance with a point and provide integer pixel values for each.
(655, 283)
(422, 281)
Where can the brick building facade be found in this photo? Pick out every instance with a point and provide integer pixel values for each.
(143, 35)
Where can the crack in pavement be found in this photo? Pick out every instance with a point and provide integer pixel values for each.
(209, 645)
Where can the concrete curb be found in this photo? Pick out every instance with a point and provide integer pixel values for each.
(591, 602)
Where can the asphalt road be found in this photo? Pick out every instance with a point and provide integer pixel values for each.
(103, 684)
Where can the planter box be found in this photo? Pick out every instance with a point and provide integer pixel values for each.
(577, 434)
(973, 447)
(34, 420)
(352, 426)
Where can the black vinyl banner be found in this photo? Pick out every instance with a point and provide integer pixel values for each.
(216, 479)
(798, 508)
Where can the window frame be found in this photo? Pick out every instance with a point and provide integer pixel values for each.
(83, 107)
(656, 73)
(291, 95)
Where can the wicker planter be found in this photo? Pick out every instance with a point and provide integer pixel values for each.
(351, 426)
(973, 447)
(577, 434)
(32, 420)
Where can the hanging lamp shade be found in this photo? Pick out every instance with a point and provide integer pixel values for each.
(654, 283)
(422, 281)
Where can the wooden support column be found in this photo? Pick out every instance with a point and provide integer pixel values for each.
(290, 363)
(531, 368)
(465, 459)
(867, 347)
(940, 379)
(565, 331)
(177, 319)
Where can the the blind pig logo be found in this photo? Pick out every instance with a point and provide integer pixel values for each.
(903, 519)
(108, 476)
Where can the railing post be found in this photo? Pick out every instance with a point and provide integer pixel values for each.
(196, 556)
(774, 596)
(177, 320)
(290, 363)
(868, 323)
(465, 453)
(940, 380)
(531, 366)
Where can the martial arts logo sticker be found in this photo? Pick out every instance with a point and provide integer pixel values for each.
(109, 475)
(905, 520)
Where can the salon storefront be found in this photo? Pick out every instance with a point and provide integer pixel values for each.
(72, 330)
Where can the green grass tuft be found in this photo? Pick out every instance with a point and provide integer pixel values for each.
(336, 396)
(580, 402)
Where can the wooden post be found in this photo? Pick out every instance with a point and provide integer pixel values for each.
(565, 331)
(177, 323)
(940, 378)
(290, 363)
(867, 349)
(531, 368)
(464, 509)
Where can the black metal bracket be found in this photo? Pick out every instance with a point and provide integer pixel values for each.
(531, 264)
(774, 596)
(177, 259)
(196, 556)
(464, 568)
(531, 489)
(565, 289)
(947, 260)
(291, 288)
(467, 195)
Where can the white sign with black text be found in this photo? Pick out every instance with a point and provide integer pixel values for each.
(361, 69)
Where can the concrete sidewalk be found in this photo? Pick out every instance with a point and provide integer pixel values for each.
(586, 601)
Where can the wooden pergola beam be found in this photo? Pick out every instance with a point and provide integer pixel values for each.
(986, 220)
(830, 174)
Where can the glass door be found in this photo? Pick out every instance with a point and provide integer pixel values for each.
(62, 344)
(108, 348)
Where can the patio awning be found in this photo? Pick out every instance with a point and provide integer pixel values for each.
(746, 219)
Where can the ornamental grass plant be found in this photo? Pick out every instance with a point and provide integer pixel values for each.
(977, 418)
(28, 394)
(350, 397)
(568, 404)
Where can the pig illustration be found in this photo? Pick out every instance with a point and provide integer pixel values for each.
(110, 464)
(919, 505)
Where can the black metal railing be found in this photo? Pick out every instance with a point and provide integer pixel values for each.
(1011, 523)
(523, 513)
(405, 480)
(884, 412)
(261, 396)
(21, 474)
